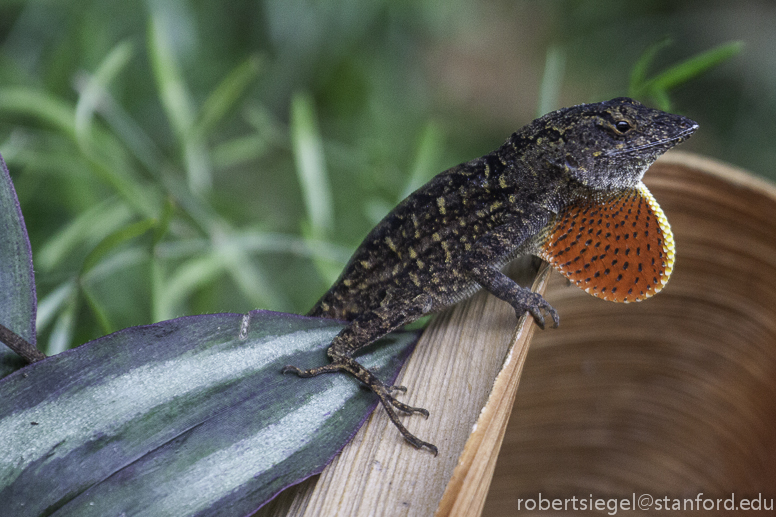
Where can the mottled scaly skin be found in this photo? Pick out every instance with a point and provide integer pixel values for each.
(451, 237)
(422, 245)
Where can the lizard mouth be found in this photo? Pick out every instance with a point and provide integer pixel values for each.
(663, 142)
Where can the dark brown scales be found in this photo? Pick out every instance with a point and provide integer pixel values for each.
(449, 238)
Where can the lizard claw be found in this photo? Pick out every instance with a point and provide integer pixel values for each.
(419, 444)
(292, 369)
(535, 308)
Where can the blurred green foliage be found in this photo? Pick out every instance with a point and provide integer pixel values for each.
(657, 88)
(179, 157)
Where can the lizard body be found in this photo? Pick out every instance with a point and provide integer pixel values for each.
(566, 187)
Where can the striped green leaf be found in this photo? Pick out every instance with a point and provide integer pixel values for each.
(190, 416)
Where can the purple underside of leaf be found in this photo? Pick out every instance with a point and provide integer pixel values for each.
(18, 302)
(185, 417)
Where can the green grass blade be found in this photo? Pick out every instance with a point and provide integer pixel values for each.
(425, 166)
(116, 262)
(176, 101)
(226, 95)
(259, 242)
(93, 92)
(53, 303)
(61, 337)
(99, 313)
(86, 229)
(693, 67)
(661, 99)
(251, 279)
(39, 105)
(161, 229)
(239, 150)
(186, 280)
(158, 289)
(107, 164)
(173, 93)
(113, 240)
(638, 77)
(134, 137)
(311, 165)
(552, 80)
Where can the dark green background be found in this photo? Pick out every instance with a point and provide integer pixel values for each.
(400, 89)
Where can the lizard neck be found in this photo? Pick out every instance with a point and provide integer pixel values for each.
(535, 177)
(536, 167)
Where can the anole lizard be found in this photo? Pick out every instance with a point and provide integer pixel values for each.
(566, 187)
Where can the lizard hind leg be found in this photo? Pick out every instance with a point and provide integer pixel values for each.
(382, 391)
(363, 331)
(389, 402)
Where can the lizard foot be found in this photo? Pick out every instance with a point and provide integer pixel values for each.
(534, 305)
(389, 403)
(382, 391)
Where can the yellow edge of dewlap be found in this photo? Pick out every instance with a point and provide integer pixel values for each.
(669, 247)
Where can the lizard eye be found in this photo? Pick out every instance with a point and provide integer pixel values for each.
(622, 126)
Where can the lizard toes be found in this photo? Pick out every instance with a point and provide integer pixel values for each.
(536, 313)
(539, 318)
(419, 444)
(536, 307)
(401, 406)
(403, 389)
(542, 305)
(329, 368)
(555, 316)
(292, 369)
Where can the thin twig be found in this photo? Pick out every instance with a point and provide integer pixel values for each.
(20, 345)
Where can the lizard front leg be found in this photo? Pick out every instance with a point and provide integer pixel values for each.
(520, 298)
(362, 331)
(487, 251)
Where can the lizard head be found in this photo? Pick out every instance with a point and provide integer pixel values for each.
(609, 145)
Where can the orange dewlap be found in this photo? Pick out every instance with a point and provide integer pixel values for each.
(617, 247)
